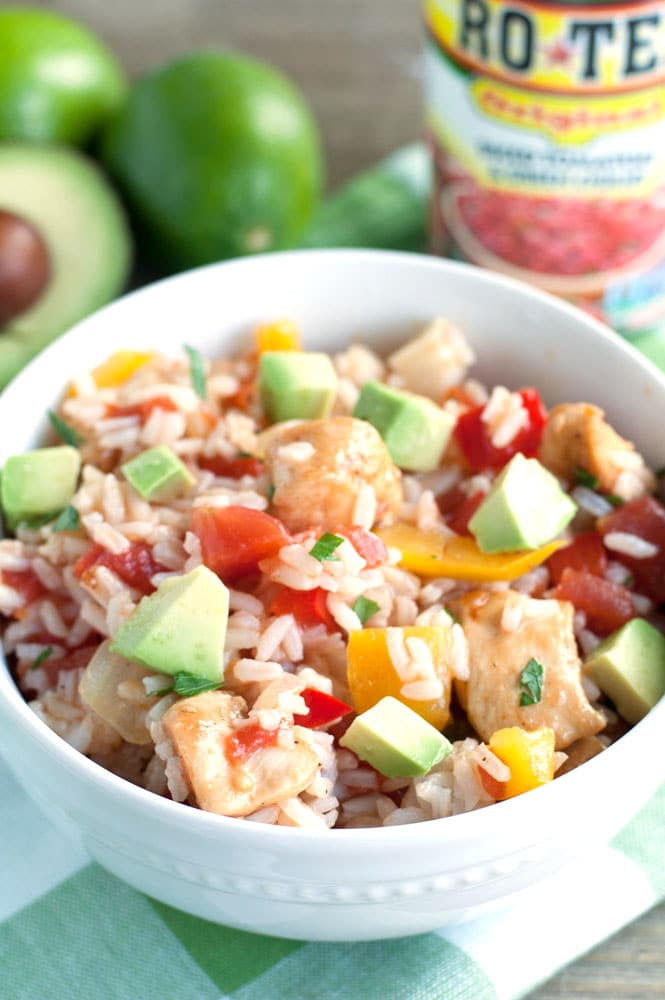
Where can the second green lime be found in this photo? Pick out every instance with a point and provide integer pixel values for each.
(218, 156)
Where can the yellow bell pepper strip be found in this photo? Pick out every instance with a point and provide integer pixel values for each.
(372, 676)
(428, 553)
(117, 369)
(529, 755)
(280, 336)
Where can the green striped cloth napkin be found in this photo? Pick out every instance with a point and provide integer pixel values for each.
(71, 931)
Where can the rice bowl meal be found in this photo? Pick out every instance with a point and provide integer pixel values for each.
(332, 591)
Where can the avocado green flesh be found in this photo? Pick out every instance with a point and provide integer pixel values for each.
(38, 483)
(296, 385)
(158, 474)
(629, 667)
(70, 204)
(181, 627)
(414, 429)
(524, 509)
(395, 740)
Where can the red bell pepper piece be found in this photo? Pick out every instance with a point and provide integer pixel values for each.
(473, 437)
(323, 709)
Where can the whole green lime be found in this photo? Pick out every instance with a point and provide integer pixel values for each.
(58, 82)
(218, 156)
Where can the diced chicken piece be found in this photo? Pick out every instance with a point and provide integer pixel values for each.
(320, 468)
(434, 361)
(505, 630)
(199, 729)
(577, 436)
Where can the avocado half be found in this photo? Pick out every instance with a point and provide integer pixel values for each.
(66, 247)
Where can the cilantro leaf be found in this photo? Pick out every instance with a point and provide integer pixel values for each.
(614, 499)
(585, 478)
(531, 683)
(44, 655)
(63, 429)
(365, 608)
(271, 492)
(67, 520)
(325, 547)
(188, 684)
(197, 371)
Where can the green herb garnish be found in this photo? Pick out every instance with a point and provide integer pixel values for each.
(197, 371)
(614, 499)
(325, 547)
(450, 614)
(63, 429)
(629, 580)
(186, 685)
(44, 655)
(531, 683)
(365, 608)
(68, 520)
(35, 523)
(271, 492)
(585, 478)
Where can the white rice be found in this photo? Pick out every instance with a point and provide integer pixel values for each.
(630, 545)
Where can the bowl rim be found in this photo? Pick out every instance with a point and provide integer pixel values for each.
(507, 813)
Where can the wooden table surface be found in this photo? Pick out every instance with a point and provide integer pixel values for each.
(358, 62)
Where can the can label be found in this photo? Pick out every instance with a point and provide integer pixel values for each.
(547, 123)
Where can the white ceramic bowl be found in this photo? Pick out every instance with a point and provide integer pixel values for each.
(346, 884)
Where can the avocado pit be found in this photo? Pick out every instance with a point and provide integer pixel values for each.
(25, 266)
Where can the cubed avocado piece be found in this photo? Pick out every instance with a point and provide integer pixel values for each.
(158, 474)
(415, 430)
(524, 509)
(629, 667)
(395, 740)
(296, 385)
(39, 483)
(181, 627)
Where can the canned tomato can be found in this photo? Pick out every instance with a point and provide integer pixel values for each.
(547, 126)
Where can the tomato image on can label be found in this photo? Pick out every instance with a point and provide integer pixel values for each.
(547, 125)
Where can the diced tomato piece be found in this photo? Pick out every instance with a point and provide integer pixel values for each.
(136, 566)
(323, 709)
(244, 742)
(26, 582)
(232, 468)
(458, 521)
(586, 552)
(234, 540)
(308, 607)
(607, 605)
(644, 517)
(493, 787)
(472, 435)
(367, 545)
(72, 660)
(143, 409)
